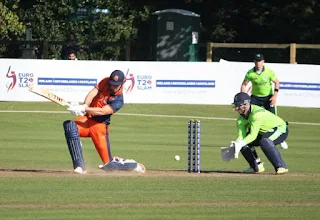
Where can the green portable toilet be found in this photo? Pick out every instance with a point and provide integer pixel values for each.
(175, 35)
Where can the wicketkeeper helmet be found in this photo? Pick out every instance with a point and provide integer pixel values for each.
(241, 98)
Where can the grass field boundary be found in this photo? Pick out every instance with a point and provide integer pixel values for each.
(152, 115)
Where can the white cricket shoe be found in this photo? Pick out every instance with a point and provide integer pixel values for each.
(123, 165)
(140, 168)
(79, 170)
(284, 145)
(251, 170)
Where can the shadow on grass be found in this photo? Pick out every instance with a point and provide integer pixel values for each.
(163, 172)
(202, 171)
(35, 171)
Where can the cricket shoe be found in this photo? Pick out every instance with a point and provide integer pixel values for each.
(125, 165)
(79, 170)
(282, 170)
(251, 170)
(122, 161)
(284, 145)
(140, 168)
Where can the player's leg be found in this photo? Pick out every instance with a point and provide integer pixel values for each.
(281, 139)
(254, 152)
(263, 102)
(268, 106)
(273, 109)
(83, 126)
(268, 142)
(250, 158)
(74, 145)
(257, 100)
(100, 136)
(279, 134)
(273, 154)
(256, 165)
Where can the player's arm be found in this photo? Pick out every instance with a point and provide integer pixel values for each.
(108, 109)
(90, 96)
(276, 86)
(244, 84)
(242, 129)
(96, 110)
(105, 110)
(254, 128)
(273, 99)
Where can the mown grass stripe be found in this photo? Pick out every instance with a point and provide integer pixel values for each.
(152, 115)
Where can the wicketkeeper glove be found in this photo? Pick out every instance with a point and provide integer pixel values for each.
(238, 145)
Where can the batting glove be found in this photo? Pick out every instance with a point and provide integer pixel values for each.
(78, 110)
(77, 113)
(238, 145)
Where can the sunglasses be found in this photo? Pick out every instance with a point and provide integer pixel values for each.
(239, 104)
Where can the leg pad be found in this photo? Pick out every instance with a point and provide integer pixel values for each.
(74, 145)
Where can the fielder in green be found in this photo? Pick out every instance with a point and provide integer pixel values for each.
(262, 77)
(262, 94)
(259, 127)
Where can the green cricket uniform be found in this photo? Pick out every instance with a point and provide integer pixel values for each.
(261, 83)
(259, 121)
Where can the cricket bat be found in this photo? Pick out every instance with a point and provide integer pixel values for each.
(44, 92)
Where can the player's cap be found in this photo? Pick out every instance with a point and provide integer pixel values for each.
(258, 57)
(241, 98)
(117, 78)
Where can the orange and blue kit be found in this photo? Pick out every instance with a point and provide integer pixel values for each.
(97, 127)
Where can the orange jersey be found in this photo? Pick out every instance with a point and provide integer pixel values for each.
(104, 97)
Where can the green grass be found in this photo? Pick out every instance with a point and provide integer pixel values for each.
(36, 181)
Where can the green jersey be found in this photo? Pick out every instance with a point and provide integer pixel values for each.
(259, 121)
(261, 82)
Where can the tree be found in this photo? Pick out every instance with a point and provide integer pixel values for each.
(107, 36)
(10, 26)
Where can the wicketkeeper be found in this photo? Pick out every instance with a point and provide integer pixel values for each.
(93, 121)
(265, 130)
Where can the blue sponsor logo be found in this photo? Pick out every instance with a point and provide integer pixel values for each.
(67, 81)
(186, 83)
(300, 86)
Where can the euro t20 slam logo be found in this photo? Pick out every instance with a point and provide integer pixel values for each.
(139, 82)
(144, 82)
(23, 79)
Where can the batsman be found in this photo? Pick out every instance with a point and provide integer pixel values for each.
(93, 120)
(258, 127)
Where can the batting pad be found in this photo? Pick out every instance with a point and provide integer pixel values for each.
(227, 153)
(74, 144)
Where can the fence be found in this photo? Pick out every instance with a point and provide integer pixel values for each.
(277, 53)
(293, 48)
(42, 49)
